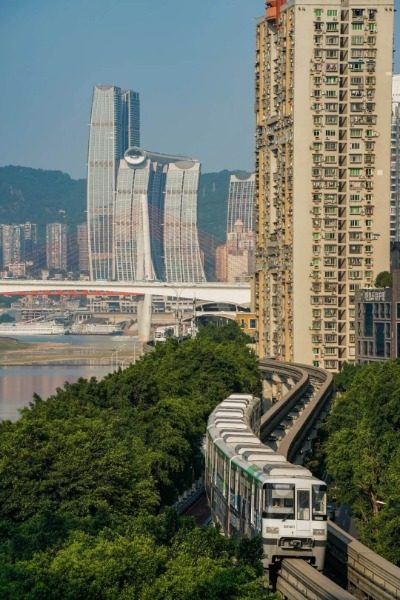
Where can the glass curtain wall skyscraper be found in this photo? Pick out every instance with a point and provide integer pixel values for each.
(114, 127)
(241, 201)
(181, 245)
(156, 218)
(240, 238)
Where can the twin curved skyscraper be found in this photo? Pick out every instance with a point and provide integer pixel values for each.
(141, 206)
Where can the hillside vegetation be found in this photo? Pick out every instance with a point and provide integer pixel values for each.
(363, 452)
(42, 196)
(85, 478)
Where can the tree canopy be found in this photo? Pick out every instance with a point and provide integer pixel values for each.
(363, 453)
(383, 279)
(86, 475)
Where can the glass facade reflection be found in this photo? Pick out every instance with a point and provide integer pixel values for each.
(156, 218)
(114, 126)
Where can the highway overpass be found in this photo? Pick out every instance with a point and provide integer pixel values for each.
(214, 292)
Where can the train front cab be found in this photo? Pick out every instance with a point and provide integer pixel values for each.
(294, 522)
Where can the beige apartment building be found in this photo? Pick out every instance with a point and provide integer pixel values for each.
(323, 116)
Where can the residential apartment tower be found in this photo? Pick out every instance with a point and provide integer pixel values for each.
(323, 100)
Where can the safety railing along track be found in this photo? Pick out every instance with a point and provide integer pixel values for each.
(363, 569)
(370, 576)
(297, 580)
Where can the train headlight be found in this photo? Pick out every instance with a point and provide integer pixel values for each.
(272, 530)
(318, 531)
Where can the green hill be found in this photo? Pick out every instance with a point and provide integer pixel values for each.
(40, 196)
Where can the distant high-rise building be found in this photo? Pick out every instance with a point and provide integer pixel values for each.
(241, 202)
(19, 244)
(395, 165)
(83, 247)
(12, 245)
(57, 246)
(114, 127)
(323, 98)
(30, 243)
(156, 218)
(240, 239)
(181, 245)
(221, 263)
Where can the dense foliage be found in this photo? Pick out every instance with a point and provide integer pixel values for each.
(40, 196)
(84, 477)
(363, 452)
(383, 279)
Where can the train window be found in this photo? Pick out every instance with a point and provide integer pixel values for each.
(258, 507)
(232, 487)
(319, 502)
(221, 483)
(252, 502)
(303, 505)
(279, 501)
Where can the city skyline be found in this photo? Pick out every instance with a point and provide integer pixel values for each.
(189, 106)
(59, 76)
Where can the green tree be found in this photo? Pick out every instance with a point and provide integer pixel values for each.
(84, 474)
(383, 279)
(228, 333)
(363, 452)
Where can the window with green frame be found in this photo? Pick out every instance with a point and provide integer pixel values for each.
(354, 172)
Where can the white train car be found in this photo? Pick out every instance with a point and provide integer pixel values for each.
(254, 491)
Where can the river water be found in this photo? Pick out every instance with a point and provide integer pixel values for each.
(19, 383)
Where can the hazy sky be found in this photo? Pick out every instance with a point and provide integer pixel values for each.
(191, 61)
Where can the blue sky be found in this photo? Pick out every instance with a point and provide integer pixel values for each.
(191, 61)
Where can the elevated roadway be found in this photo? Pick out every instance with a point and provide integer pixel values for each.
(213, 292)
(367, 575)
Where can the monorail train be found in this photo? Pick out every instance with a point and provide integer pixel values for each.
(252, 490)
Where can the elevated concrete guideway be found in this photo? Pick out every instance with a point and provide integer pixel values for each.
(238, 293)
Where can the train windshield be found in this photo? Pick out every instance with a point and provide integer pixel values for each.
(319, 502)
(279, 501)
